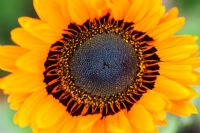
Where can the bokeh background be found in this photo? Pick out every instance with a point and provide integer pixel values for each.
(12, 9)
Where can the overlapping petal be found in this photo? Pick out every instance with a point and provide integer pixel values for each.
(35, 108)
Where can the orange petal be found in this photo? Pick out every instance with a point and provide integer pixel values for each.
(135, 13)
(183, 108)
(177, 53)
(159, 117)
(99, 127)
(153, 101)
(175, 41)
(50, 114)
(97, 8)
(118, 8)
(32, 62)
(53, 129)
(136, 130)
(167, 29)
(30, 105)
(50, 12)
(171, 89)
(171, 14)
(22, 82)
(118, 123)
(86, 123)
(26, 40)
(176, 71)
(154, 131)
(40, 30)
(145, 25)
(70, 123)
(8, 56)
(138, 115)
(193, 61)
(154, 15)
(64, 9)
(198, 77)
(17, 99)
(77, 10)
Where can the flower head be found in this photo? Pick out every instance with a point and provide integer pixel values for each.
(100, 66)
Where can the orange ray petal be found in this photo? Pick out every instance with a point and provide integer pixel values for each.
(138, 115)
(50, 12)
(8, 56)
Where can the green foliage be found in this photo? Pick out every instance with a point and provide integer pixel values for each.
(10, 11)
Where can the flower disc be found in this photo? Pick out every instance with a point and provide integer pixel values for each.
(105, 65)
(102, 66)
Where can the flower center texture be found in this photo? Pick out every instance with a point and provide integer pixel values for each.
(101, 67)
(105, 65)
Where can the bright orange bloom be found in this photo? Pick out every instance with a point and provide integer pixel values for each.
(100, 66)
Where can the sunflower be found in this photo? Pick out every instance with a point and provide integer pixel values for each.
(103, 66)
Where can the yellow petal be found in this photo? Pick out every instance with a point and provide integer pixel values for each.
(153, 101)
(29, 108)
(26, 40)
(99, 127)
(167, 29)
(135, 13)
(70, 123)
(118, 123)
(138, 115)
(34, 128)
(8, 56)
(154, 15)
(97, 8)
(145, 25)
(49, 114)
(22, 82)
(64, 9)
(124, 122)
(183, 108)
(53, 129)
(198, 77)
(177, 71)
(193, 61)
(32, 61)
(86, 123)
(171, 14)
(118, 8)
(171, 89)
(177, 53)
(16, 100)
(50, 12)
(175, 41)
(154, 131)
(41, 30)
(136, 130)
(159, 117)
(77, 11)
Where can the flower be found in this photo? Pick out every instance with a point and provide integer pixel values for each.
(100, 66)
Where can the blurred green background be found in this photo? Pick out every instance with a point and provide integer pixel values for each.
(12, 9)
